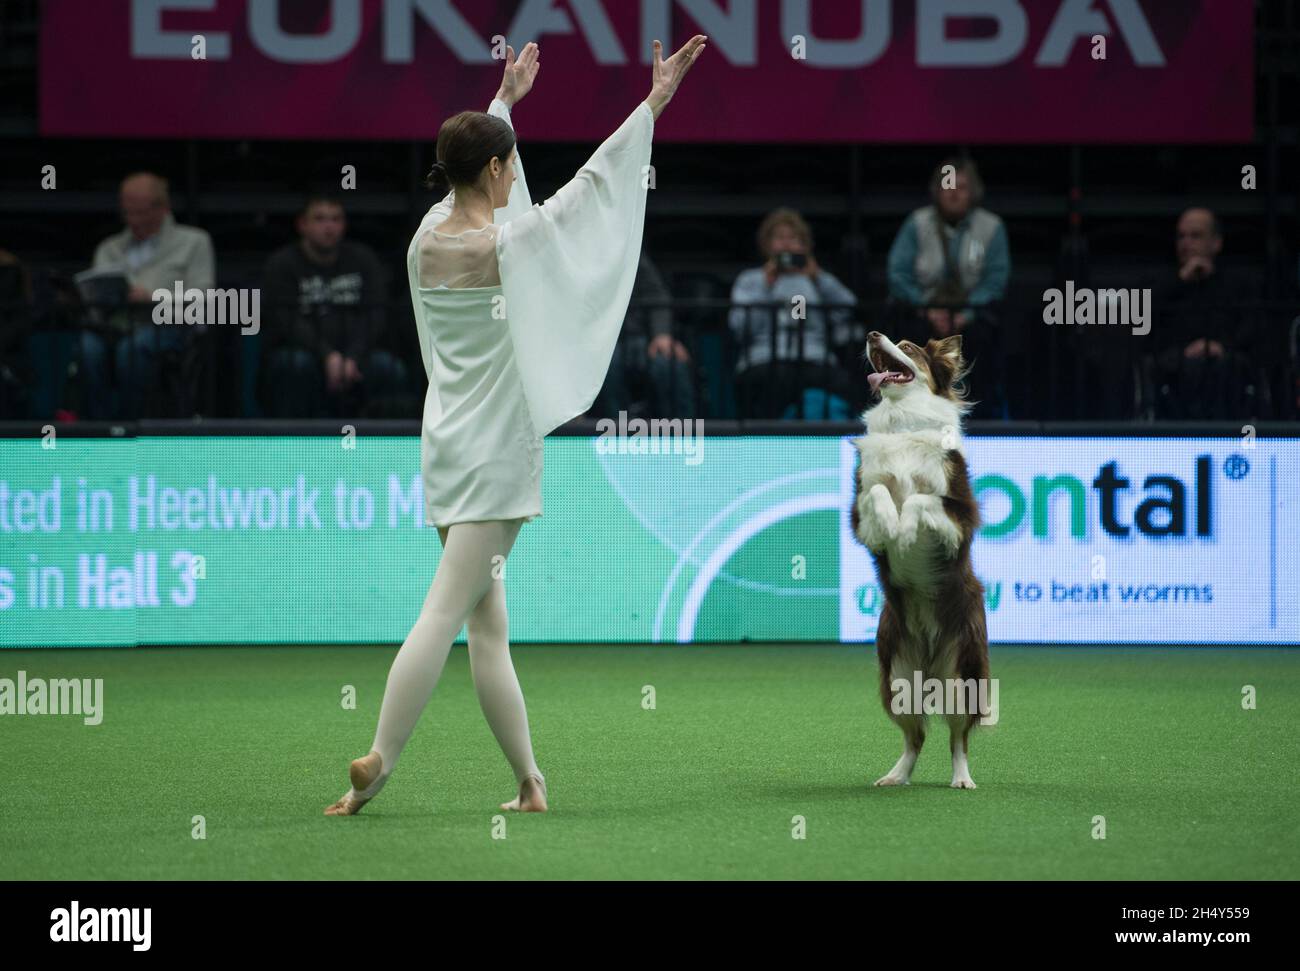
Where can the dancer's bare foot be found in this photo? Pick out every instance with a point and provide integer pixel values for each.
(531, 798)
(362, 773)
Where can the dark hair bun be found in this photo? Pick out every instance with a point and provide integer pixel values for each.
(466, 143)
(437, 178)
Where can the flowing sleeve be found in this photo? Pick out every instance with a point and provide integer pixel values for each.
(567, 269)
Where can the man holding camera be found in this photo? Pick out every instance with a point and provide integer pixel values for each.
(788, 317)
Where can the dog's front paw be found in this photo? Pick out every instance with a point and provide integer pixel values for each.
(894, 779)
(907, 532)
(881, 505)
(909, 521)
(878, 520)
(873, 537)
(937, 521)
(963, 781)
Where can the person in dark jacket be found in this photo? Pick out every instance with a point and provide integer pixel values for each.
(16, 318)
(1203, 328)
(323, 314)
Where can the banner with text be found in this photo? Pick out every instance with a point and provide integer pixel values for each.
(194, 540)
(777, 70)
(1172, 541)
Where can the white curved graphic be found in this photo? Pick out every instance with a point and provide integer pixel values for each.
(667, 543)
(736, 539)
(685, 555)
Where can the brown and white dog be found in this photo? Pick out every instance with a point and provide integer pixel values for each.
(914, 510)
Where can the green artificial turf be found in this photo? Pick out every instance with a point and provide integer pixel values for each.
(706, 785)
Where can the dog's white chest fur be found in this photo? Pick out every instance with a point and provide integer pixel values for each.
(905, 463)
(902, 482)
(906, 445)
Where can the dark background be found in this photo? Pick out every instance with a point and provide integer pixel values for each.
(701, 222)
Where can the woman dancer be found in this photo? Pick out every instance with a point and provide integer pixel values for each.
(517, 320)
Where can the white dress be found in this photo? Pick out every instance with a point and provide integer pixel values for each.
(517, 324)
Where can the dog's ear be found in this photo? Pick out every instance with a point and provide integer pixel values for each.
(947, 364)
(948, 349)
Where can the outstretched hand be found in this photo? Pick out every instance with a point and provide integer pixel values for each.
(520, 74)
(667, 75)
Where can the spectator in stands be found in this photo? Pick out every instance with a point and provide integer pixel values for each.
(951, 252)
(790, 319)
(154, 252)
(954, 253)
(323, 303)
(1203, 331)
(16, 318)
(648, 355)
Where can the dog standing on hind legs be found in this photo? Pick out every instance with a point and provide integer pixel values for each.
(914, 510)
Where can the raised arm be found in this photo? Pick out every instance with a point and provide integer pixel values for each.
(608, 191)
(568, 267)
(520, 200)
(667, 75)
(618, 168)
(515, 84)
(520, 74)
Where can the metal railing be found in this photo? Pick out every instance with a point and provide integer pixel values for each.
(744, 361)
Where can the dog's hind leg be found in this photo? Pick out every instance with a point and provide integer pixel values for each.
(913, 727)
(972, 668)
(892, 649)
(959, 727)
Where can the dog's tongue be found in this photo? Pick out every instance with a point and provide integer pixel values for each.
(877, 378)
